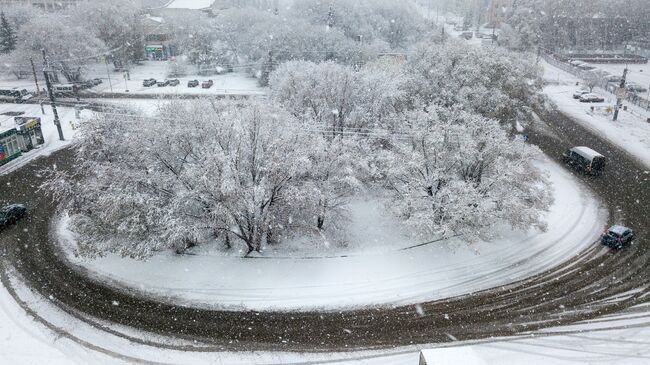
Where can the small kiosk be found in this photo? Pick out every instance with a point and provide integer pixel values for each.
(30, 134)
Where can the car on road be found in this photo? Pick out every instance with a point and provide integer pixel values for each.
(149, 82)
(163, 83)
(591, 98)
(579, 93)
(174, 82)
(617, 237)
(11, 214)
(97, 81)
(585, 159)
(193, 83)
(207, 84)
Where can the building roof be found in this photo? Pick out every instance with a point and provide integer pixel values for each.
(190, 4)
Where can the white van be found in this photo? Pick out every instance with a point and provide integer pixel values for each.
(585, 159)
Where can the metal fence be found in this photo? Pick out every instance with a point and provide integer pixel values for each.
(630, 97)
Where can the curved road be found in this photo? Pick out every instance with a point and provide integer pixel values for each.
(581, 288)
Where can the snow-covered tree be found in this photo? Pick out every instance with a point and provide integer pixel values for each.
(70, 47)
(338, 97)
(117, 23)
(397, 23)
(7, 35)
(240, 173)
(491, 81)
(460, 173)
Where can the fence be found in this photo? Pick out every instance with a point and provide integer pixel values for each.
(630, 97)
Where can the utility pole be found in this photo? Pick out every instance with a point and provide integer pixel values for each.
(50, 92)
(38, 89)
(110, 83)
(619, 95)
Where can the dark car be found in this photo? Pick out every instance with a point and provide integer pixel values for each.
(11, 214)
(193, 83)
(585, 159)
(149, 82)
(174, 82)
(617, 237)
(96, 81)
(207, 84)
(163, 83)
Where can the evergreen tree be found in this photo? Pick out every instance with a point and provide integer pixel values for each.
(7, 36)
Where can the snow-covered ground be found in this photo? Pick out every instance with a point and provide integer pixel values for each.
(52, 142)
(373, 271)
(631, 132)
(638, 73)
(236, 83)
(54, 337)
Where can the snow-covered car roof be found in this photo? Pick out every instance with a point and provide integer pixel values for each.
(586, 152)
(619, 230)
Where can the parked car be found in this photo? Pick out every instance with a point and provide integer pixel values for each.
(163, 83)
(614, 78)
(579, 93)
(174, 82)
(193, 83)
(149, 82)
(617, 237)
(585, 159)
(591, 98)
(97, 81)
(11, 214)
(207, 84)
(636, 88)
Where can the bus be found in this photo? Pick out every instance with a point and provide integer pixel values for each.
(66, 89)
(14, 95)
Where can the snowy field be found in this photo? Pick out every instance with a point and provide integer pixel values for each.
(56, 338)
(52, 142)
(631, 132)
(236, 83)
(379, 269)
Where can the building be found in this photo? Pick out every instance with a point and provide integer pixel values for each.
(157, 38)
(9, 147)
(46, 4)
(30, 134)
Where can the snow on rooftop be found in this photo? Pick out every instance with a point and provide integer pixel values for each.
(190, 4)
(156, 19)
(586, 152)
